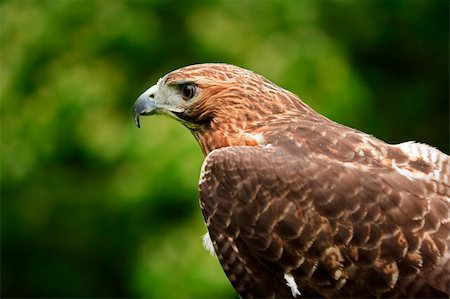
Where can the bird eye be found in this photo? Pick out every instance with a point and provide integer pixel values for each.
(188, 91)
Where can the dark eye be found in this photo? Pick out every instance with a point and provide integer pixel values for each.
(188, 91)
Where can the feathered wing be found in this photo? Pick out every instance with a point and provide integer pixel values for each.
(337, 229)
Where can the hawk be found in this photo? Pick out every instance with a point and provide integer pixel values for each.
(297, 205)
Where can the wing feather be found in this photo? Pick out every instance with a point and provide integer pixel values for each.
(339, 231)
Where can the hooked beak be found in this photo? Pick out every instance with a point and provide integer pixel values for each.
(144, 105)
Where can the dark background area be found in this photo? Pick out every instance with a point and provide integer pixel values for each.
(93, 207)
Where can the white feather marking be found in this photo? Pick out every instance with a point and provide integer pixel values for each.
(409, 174)
(207, 243)
(417, 150)
(290, 282)
(204, 172)
(233, 246)
(429, 154)
(258, 137)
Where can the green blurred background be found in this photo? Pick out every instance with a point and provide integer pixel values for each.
(91, 206)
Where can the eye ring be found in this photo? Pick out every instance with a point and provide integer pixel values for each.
(188, 91)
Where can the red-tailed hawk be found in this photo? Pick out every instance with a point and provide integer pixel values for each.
(297, 205)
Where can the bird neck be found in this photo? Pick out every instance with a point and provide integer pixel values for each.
(217, 135)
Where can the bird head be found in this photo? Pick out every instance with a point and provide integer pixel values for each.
(200, 93)
(217, 99)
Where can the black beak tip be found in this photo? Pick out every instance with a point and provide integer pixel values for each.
(136, 119)
(143, 106)
(137, 122)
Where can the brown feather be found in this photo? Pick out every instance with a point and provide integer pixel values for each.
(284, 191)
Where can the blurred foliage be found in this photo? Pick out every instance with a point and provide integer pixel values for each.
(93, 207)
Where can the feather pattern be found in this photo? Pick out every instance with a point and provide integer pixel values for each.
(295, 202)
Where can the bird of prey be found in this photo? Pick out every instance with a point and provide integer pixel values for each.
(297, 205)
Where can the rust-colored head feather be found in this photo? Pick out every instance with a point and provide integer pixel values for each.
(230, 101)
